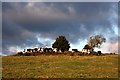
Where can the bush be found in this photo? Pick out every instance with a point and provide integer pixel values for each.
(27, 54)
(19, 54)
(93, 53)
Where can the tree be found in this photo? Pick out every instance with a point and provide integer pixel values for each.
(96, 41)
(61, 43)
(87, 47)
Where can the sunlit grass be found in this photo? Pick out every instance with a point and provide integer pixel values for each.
(60, 66)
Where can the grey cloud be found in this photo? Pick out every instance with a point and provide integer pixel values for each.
(23, 21)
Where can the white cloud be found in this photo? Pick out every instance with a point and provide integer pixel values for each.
(44, 11)
(71, 10)
(79, 45)
(46, 41)
(110, 47)
(12, 50)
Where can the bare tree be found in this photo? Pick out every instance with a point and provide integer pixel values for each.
(96, 41)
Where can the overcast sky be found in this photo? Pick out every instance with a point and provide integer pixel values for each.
(37, 24)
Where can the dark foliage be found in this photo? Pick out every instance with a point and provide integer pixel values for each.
(27, 54)
(87, 47)
(61, 43)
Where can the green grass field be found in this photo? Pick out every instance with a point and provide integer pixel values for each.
(60, 66)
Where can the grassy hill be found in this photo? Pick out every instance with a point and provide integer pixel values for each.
(60, 66)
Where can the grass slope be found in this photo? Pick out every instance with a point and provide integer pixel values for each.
(60, 66)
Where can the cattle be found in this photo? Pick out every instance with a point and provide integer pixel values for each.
(32, 50)
(55, 49)
(74, 50)
(29, 50)
(41, 49)
(86, 51)
(24, 51)
(46, 50)
(99, 53)
(50, 49)
(35, 49)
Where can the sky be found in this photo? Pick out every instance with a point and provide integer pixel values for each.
(37, 24)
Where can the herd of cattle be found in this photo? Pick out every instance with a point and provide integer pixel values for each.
(38, 51)
(45, 50)
(42, 50)
(52, 50)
